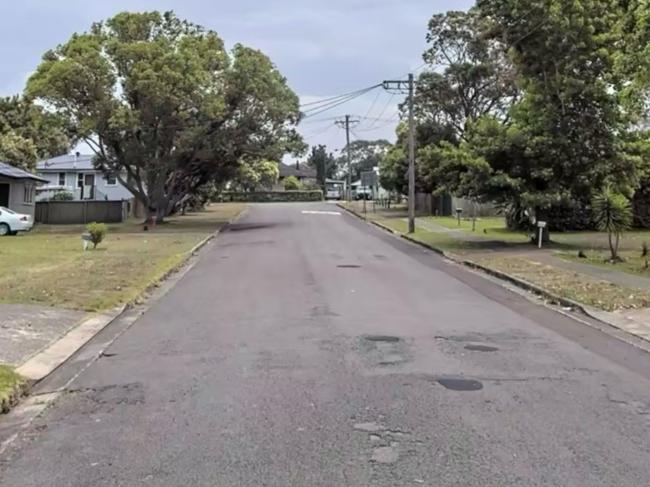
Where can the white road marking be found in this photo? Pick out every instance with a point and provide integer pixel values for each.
(305, 212)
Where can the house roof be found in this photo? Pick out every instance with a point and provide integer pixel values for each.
(303, 172)
(12, 172)
(68, 162)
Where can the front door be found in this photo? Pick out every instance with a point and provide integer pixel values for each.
(89, 187)
(4, 195)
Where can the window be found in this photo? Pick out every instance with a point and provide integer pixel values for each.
(28, 193)
(61, 179)
(111, 180)
(80, 180)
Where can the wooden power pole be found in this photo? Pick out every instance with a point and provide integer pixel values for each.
(409, 87)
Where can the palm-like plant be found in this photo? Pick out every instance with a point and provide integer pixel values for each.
(612, 214)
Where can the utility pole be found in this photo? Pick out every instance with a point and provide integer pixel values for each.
(346, 123)
(409, 87)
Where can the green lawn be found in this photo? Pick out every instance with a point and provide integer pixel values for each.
(630, 241)
(11, 385)
(632, 263)
(490, 228)
(442, 241)
(49, 267)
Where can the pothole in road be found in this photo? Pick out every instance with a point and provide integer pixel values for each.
(348, 266)
(457, 384)
(481, 348)
(382, 338)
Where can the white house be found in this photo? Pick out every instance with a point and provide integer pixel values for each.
(76, 174)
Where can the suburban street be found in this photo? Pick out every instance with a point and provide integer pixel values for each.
(308, 348)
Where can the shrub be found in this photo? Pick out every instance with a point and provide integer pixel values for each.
(62, 196)
(612, 214)
(291, 183)
(272, 196)
(97, 233)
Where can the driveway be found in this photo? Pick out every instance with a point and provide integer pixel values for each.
(307, 348)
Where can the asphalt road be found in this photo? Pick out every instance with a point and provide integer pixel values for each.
(314, 350)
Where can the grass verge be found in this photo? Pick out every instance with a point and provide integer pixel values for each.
(49, 267)
(576, 287)
(12, 386)
(490, 228)
(633, 262)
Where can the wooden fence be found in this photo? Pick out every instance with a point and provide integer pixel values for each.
(81, 212)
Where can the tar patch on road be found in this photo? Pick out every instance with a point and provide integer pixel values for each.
(458, 384)
(242, 227)
(481, 348)
(382, 338)
(348, 266)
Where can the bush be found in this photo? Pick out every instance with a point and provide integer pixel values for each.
(97, 232)
(271, 196)
(291, 183)
(612, 214)
(62, 196)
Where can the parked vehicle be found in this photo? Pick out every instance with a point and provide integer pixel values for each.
(363, 193)
(334, 189)
(11, 222)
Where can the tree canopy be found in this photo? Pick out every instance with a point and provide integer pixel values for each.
(324, 162)
(29, 133)
(165, 107)
(364, 156)
(534, 94)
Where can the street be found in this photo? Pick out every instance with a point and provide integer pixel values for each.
(308, 348)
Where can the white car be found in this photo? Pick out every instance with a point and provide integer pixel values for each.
(12, 222)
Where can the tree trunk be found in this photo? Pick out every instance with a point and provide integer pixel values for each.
(612, 251)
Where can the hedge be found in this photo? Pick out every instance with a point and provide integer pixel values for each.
(271, 196)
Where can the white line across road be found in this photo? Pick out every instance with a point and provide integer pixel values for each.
(308, 212)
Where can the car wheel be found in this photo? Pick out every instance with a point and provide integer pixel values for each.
(4, 229)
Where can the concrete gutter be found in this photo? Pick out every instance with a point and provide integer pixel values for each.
(606, 318)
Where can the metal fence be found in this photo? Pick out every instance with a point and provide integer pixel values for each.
(81, 212)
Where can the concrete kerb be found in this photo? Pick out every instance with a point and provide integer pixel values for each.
(520, 283)
(56, 354)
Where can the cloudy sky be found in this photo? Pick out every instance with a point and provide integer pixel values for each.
(324, 48)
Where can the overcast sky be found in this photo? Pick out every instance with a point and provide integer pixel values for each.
(324, 48)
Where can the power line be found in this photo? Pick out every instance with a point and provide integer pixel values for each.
(334, 98)
(319, 110)
(318, 132)
(390, 121)
(381, 114)
(374, 102)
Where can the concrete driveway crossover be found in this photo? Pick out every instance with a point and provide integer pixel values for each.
(307, 348)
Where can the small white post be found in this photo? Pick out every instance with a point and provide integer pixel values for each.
(541, 226)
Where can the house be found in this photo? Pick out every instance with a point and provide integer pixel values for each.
(305, 174)
(18, 189)
(76, 174)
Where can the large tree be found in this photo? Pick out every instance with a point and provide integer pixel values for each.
(162, 102)
(324, 162)
(468, 75)
(29, 133)
(364, 156)
(562, 140)
(253, 175)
